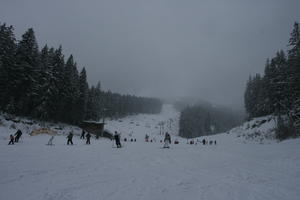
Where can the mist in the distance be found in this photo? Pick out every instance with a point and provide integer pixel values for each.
(162, 48)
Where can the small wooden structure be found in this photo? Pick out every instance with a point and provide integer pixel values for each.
(96, 128)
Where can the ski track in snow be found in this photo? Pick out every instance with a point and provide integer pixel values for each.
(144, 171)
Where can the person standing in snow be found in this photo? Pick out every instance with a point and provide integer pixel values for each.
(50, 140)
(117, 139)
(11, 137)
(82, 134)
(18, 134)
(146, 138)
(167, 140)
(70, 137)
(88, 138)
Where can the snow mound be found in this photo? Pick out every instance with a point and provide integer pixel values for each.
(9, 125)
(261, 129)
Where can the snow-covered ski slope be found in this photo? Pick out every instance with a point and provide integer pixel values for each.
(155, 125)
(144, 171)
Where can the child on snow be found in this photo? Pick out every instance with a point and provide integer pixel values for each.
(11, 137)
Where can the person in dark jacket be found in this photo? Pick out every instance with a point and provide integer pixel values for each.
(88, 138)
(82, 134)
(11, 137)
(117, 139)
(203, 141)
(167, 140)
(18, 134)
(70, 137)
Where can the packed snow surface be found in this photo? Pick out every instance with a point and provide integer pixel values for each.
(144, 171)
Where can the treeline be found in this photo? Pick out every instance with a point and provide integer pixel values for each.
(205, 119)
(278, 90)
(43, 85)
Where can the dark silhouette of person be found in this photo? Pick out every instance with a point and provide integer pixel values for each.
(117, 139)
(167, 140)
(70, 137)
(18, 134)
(88, 138)
(11, 137)
(203, 142)
(82, 134)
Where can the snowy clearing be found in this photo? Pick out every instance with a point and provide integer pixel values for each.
(144, 171)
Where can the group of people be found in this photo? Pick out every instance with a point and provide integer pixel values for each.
(87, 136)
(147, 139)
(167, 139)
(204, 142)
(15, 138)
(82, 136)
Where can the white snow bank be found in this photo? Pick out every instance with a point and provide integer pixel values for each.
(261, 129)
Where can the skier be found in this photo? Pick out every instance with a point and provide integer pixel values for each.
(70, 137)
(146, 138)
(203, 142)
(215, 142)
(88, 138)
(117, 139)
(50, 140)
(11, 137)
(167, 140)
(82, 134)
(18, 134)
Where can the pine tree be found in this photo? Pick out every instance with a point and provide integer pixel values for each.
(56, 86)
(28, 72)
(71, 91)
(83, 95)
(44, 83)
(7, 64)
(294, 74)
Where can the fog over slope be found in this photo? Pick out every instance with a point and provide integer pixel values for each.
(162, 48)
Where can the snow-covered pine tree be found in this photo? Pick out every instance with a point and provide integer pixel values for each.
(27, 57)
(70, 93)
(83, 95)
(294, 74)
(7, 64)
(56, 88)
(41, 110)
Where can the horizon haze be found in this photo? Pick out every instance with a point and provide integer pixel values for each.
(162, 48)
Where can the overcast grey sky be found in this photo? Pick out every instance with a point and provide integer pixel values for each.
(162, 48)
